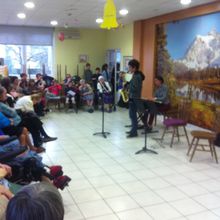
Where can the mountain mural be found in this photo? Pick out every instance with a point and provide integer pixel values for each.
(204, 52)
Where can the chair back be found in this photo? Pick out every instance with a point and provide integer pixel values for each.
(184, 109)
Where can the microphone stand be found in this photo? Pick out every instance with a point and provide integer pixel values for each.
(145, 149)
(103, 133)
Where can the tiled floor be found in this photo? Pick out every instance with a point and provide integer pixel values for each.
(110, 182)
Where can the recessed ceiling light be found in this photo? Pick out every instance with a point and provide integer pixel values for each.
(99, 20)
(29, 5)
(185, 2)
(54, 23)
(123, 12)
(21, 15)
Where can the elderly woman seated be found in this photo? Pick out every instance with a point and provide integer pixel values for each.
(87, 95)
(37, 201)
(105, 92)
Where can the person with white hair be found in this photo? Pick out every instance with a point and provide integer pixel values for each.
(105, 92)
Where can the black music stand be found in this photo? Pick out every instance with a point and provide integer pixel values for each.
(141, 108)
(102, 133)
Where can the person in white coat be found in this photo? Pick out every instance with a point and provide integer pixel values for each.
(105, 92)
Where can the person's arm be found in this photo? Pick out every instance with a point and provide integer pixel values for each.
(161, 94)
(10, 112)
(99, 87)
(108, 86)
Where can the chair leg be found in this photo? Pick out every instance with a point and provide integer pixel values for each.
(214, 151)
(164, 132)
(194, 150)
(190, 146)
(187, 138)
(173, 135)
(178, 134)
(211, 148)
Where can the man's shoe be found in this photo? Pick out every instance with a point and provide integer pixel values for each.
(40, 150)
(48, 139)
(132, 135)
(61, 182)
(128, 132)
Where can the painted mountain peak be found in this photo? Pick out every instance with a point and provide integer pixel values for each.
(204, 52)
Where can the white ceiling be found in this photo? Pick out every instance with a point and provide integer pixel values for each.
(82, 13)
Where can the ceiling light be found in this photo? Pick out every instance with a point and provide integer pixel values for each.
(185, 2)
(123, 12)
(21, 15)
(29, 5)
(54, 23)
(99, 20)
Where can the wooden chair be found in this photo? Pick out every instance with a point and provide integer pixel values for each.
(177, 119)
(205, 136)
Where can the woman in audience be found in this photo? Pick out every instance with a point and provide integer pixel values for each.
(67, 79)
(8, 127)
(38, 201)
(24, 82)
(17, 125)
(40, 83)
(105, 92)
(86, 94)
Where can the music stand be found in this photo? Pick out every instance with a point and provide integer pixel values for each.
(141, 108)
(103, 132)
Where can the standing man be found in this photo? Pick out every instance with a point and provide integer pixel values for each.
(88, 74)
(134, 95)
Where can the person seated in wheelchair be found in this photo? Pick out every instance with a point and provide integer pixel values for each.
(158, 103)
(27, 166)
(72, 95)
(105, 92)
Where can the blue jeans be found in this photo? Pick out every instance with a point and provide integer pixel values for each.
(133, 117)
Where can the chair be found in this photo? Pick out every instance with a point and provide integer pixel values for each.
(57, 101)
(177, 119)
(205, 135)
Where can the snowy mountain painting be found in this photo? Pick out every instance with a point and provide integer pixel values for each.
(188, 56)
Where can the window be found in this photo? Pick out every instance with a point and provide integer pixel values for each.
(27, 58)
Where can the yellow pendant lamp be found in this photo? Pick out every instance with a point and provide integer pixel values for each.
(109, 18)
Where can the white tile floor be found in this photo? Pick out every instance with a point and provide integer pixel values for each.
(110, 182)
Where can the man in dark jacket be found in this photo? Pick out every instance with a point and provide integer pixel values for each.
(134, 95)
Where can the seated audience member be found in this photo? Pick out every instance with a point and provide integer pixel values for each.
(40, 83)
(72, 95)
(159, 103)
(53, 92)
(26, 104)
(17, 125)
(24, 82)
(32, 167)
(31, 87)
(88, 74)
(95, 77)
(67, 79)
(39, 201)
(8, 127)
(15, 85)
(86, 94)
(105, 92)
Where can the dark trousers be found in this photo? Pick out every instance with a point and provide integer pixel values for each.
(153, 108)
(133, 117)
